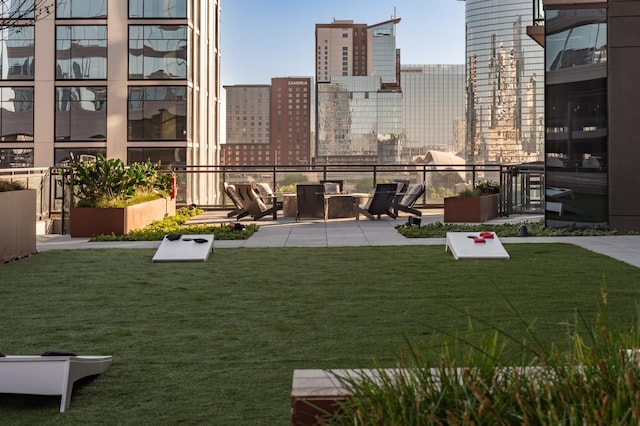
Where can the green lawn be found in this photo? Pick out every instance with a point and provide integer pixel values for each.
(217, 342)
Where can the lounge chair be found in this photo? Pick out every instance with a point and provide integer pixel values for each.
(253, 204)
(231, 192)
(380, 202)
(406, 202)
(48, 374)
(310, 199)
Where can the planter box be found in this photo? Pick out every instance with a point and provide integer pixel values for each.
(17, 224)
(88, 221)
(471, 209)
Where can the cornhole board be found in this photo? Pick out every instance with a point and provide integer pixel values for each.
(48, 375)
(184, 249)
(463, 246)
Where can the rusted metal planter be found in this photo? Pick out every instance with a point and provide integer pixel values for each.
(88, 221)
(471, 209)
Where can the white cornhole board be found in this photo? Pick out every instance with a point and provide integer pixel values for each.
(462, 246)
(48, 375)
(184, 249)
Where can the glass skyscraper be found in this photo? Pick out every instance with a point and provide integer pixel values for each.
(505, 84)
(433, 108)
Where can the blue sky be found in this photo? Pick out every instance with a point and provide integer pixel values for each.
(261, 39)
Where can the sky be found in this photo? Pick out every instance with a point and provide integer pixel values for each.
(262, 39)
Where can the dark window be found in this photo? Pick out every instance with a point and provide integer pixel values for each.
(158, 52)
(62, 156)
(81, 113)
(157, 113)
(16, 157)
(166, 156)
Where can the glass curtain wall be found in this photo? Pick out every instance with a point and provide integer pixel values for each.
(505, 88)
(576, 116)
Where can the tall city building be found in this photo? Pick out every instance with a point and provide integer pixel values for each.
(433, 108)
(505, 84)
(248, 125)
(292, 100)
(269, 124)
(359, 100)
(130, 79)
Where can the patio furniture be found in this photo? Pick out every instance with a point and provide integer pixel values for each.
(310, 201)
(253, 204)
(406, 202)
(333, 186)
(381, 201)
(231, 192)
(48, 374)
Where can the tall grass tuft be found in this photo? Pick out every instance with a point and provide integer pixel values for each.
(480, 381)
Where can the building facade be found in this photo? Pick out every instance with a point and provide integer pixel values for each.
(292, 100)
(248, 125)
(505, 84)
(67, 92)
(358, 95)
(592, 143)
(433, 101)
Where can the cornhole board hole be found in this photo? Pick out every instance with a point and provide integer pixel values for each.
(48, 375)
(463, 245)
(186, 248)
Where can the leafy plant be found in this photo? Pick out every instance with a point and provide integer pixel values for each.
(107, 182)
(10, 185)
(175, 224)
(486, 187)
(478, 382)
(534, 229)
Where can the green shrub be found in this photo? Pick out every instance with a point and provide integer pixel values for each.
(109, 183)
(175, 224)
(484, 383)
(10, 185)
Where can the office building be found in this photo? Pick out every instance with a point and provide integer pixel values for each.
(248, 124)
(269, 124)
(433, 100)
(592, 143)
(359, 100)
(505, 87)
(129, 79)
(292, 100)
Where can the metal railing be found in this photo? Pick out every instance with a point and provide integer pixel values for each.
(522, 185)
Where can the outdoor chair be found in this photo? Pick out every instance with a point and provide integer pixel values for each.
(253, 204)
(381, 201)
(231, 192)
(405, 202)
(310, 199)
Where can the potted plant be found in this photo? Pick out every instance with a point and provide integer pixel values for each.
(111, 198)
(17, 221)
(474, 205)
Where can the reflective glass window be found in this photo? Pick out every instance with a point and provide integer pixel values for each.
(16, 157)
(17, 9)
(18, 50)
(157, 113)
(16, 114)
(81, 113)
(81, 52)
(166, 156)
(81, 8)
(157, 8)
(62, 156)
(158, 52)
